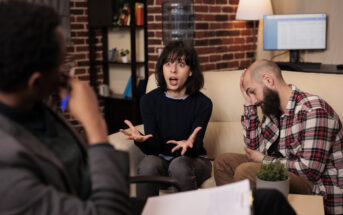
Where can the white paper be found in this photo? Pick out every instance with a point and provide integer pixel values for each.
(227, 199)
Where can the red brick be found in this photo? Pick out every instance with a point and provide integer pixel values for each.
(233, 64)
(82, 19)
(77, 11)
(159, 2)
(239, 55)
(80, 71)
(204, 50)
(215, 58)
(201, 26)
(215, 9)
(150, 18)
(227, 41)
(78, 41)
(152, 10)
(77, 26)
(155, 26)
(82, 34)
(228, 25)
(246, 32)
(158, 34)
(221, 1)
(234, 1)
(239, 24)
(227, 33)
(221, 49)
(227, 56)
(82, 48)
(209, 1)
(203, 59)
(215, 42)
(81, 4)
(245, 63)
(221, 65)
(200, 8)
(151, 34)
(239, 40)
(207, 67)
(229, 9)
(158, 18)
(201, 42)
(216, 26)
(154, 42)
(221, 18)
(235, 48)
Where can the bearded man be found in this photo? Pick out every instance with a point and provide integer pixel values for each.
(299, 129)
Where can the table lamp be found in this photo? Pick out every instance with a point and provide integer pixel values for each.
(253, 10)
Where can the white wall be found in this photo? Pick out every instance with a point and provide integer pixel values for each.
(334, 10)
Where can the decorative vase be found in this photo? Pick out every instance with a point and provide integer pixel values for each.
(282, 186)
(125, 59)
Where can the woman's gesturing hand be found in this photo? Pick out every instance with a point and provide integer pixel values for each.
(184, 144)
(134, 134)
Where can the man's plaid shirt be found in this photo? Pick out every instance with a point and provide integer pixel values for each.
(311, 142)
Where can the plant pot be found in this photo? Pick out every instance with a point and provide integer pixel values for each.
(125, 59)
(282, 186)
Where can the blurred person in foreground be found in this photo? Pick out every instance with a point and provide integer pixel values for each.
(45, 168)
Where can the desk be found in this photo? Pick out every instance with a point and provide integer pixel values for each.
(306, 204)
(323, 68)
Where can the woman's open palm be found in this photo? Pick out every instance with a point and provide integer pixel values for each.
(134, 134)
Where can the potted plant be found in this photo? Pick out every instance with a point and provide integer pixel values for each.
(273, 175)
(124, 53)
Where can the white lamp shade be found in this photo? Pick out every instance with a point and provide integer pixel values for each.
(253, 9)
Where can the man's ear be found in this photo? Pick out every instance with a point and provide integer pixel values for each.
(34, 80)
(268, 80)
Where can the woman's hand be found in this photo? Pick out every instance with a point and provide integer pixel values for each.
(134, 134)
(184, 144)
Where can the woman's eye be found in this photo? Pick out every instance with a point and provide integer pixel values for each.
(181, 64)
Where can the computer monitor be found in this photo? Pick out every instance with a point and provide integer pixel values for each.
(294, 32)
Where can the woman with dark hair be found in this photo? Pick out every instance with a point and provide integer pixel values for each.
(175, 117)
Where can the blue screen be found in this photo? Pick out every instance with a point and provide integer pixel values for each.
(294, 32)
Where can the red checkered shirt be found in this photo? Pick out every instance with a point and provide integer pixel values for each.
(311, 142)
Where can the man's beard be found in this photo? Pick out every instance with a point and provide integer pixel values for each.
(271, 103)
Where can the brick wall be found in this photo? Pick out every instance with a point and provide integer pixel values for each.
(79, 46)
(220, 40)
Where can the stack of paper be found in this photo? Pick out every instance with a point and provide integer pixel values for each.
(228, 199)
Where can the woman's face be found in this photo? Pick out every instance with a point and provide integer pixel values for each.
(176, 73)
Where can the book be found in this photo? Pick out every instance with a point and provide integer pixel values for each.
(128, 89)
(139, 10)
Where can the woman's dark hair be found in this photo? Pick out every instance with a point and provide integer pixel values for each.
(177, 50)
(28, 42)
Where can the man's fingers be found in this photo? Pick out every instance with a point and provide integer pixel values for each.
(128, 123)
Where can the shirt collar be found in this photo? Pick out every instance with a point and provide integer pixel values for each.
(292, 101)
(181, 98)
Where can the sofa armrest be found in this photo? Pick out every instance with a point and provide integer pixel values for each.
(119, 141)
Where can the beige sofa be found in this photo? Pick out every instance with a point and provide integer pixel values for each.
(224, 132)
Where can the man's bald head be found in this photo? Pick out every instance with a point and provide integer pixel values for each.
(259, 67)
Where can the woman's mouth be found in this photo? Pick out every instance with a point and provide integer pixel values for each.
(173, 81)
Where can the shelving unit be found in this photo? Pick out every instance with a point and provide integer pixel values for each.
(116, 73)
